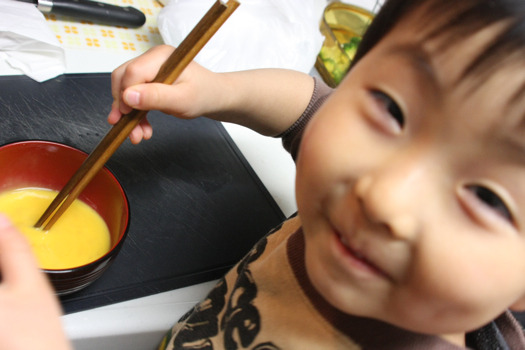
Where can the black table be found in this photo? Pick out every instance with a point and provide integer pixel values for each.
(196, 205)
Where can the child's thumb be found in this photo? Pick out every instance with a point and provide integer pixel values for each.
(132, 98)
(152, 96)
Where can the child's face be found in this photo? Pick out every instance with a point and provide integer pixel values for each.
(410, 189)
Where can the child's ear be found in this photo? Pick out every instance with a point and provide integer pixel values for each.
(519, 305)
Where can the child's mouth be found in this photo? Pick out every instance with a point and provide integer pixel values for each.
(358, 257)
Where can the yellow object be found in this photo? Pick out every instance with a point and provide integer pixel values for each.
(343, 26)
(79, 237)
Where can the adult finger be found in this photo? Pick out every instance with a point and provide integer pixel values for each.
(18, 264)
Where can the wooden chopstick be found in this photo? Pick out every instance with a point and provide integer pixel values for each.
(168, 73)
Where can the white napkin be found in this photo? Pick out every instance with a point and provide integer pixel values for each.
(259, 34)
(27, 44)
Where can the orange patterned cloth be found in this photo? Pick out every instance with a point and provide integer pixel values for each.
(75, 34)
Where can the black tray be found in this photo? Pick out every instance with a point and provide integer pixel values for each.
(196, 205)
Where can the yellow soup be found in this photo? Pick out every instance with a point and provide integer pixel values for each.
(78, 237)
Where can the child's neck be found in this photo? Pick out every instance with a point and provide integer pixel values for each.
(456, 338)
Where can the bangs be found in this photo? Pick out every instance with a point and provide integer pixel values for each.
(452, 22)
(461, 19)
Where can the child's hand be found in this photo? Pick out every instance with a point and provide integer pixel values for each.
(29, 310)
(186, 98)
(267, 101)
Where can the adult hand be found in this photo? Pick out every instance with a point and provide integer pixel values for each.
(29, 311)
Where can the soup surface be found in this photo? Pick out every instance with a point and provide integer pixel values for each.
(78, 237)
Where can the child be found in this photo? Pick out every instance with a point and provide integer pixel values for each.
(409, 231)
(410, 206)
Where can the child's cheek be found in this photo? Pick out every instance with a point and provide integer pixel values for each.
(313, 166)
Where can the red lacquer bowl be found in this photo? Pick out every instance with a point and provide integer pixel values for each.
(50, 165)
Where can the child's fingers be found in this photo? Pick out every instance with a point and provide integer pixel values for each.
(116, 77)
(115, 114)
(136, 135)
(17, 262)
(143, 131)
(157, 96)
(142, 69)
(146, 129)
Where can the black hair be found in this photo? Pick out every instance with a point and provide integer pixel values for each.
(455, 20)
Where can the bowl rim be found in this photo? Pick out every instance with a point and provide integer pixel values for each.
(119, 243)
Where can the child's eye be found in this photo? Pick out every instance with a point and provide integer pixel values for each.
(492, 200)
(390, 106)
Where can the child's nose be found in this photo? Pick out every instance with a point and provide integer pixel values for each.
(395, 195)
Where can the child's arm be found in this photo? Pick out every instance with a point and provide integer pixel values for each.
(267, 100)
(29, 311)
